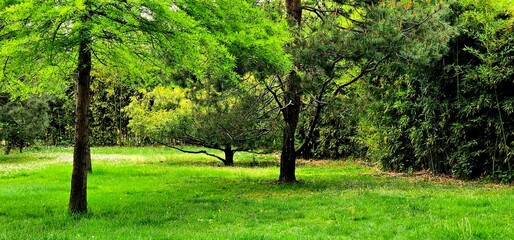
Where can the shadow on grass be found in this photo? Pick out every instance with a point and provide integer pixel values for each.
(313, 184)
(22, 158)
(213, 163)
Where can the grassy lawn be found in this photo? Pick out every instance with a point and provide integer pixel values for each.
(158, 193)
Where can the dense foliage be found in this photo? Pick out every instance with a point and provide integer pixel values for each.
(411, 85)
(453, 114)
(22, 122)
(239, 121)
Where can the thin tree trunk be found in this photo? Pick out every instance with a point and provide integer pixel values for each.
(78, 193)
(21, 147)
(305, 150)
(229, 156)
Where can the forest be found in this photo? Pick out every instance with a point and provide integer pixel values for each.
(404, 86)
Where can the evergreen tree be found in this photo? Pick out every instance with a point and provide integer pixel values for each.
(338, 43)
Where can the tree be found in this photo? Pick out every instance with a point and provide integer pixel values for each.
(236, 121)
(338, 43)
(23, 122)
(226, 115)
(149, 39)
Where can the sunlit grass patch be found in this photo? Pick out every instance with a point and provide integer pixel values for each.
(158, 193)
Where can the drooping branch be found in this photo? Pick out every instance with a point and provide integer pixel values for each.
(5, 65)
(98, 58)
(188, 151)
(195, 141)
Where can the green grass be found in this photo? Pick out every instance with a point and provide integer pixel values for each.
(158, 193)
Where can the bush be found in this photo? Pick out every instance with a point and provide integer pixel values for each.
(23, 122)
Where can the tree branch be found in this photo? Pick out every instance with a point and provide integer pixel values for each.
(361, 74)
(422, 21)
(187, 151)
(275, 96)
(5, 65)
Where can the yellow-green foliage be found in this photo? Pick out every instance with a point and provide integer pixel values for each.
(169, 108)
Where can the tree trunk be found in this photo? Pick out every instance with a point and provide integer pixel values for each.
(78, 193)
(8, 147)
(229, 156)
(288, 157)
(294, 11)
(89, 166)
(21, 147)
(291, 115)
(292, 105)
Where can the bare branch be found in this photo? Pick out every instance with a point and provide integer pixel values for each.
(275, 96)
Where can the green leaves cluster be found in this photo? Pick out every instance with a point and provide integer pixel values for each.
(450, 112)
(207, 46)
(363, 41)
(156, 42)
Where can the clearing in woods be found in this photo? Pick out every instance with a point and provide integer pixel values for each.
(158, 193)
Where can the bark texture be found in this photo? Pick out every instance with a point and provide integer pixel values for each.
(292, 106)
(89, 166)
(291, 114)
(229, 156)
(78, 193)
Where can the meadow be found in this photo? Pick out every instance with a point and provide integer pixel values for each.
(159, 193)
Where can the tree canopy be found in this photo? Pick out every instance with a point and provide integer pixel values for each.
(411, 85)
(152, 41)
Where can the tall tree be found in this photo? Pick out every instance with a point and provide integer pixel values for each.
(337, 43)
(153, 40)
(291, 104)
